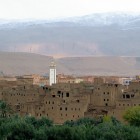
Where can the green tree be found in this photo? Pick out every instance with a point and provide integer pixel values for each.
(84, 121)
(20, 130)
(132, 116)
(4, 109)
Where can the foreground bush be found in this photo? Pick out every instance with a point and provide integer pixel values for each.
(132, 116)
(30, 128)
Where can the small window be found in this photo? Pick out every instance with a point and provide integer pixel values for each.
(66, 108)
(127, 96)
(60, 108)
(106, 104)
(53, 102)
(67, 94)
(104, 99)
(58, 92)
(78, 101)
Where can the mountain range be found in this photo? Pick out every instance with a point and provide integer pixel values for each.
(102, 34)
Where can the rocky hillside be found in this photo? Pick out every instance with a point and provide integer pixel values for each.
(29, 63)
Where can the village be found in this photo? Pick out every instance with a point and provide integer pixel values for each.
(63, 97)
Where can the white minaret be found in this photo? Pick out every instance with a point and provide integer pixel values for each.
(52, 77)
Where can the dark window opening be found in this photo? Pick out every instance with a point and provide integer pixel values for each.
(127, 96)
(67, 94)
(53, 96)
(123, 95)
(78, 101)
(106, 104)
(59, 92)
(60, 108)
(66, 108)
(116, 85)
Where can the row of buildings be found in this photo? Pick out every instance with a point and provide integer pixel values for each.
(63, 97)
(69, 100)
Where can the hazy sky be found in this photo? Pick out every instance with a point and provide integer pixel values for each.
(42, 9)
